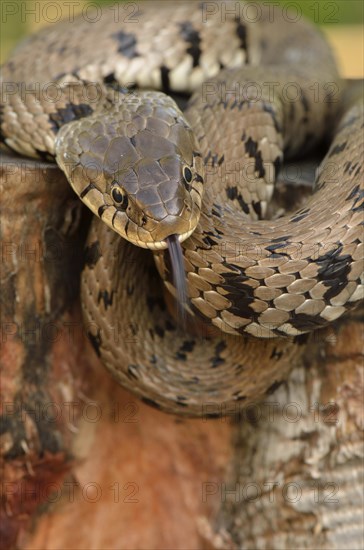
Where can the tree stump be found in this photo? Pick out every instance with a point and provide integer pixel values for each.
(296, 479)
(76, 448)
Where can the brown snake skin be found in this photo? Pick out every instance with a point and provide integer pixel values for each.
(261, 89)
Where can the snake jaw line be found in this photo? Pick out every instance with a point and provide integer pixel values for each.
(163, 245)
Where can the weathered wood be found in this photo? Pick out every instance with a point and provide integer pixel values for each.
(297, 476)
(97, 462)
(38, 360)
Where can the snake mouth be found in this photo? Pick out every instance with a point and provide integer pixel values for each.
(163, 245)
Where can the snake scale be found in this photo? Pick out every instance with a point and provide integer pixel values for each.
(156, 177)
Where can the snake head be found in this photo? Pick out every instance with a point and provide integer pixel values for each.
(136, 166)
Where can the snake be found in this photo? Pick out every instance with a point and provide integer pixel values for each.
(179, 197)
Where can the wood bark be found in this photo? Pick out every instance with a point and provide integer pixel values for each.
(296, 480)
(84, 463)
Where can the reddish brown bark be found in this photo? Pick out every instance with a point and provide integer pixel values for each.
(99, 468)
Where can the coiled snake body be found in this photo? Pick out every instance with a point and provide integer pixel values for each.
(148, 172)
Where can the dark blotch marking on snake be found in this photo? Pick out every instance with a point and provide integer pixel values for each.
(214, 160)
(217, 210)
(232, 194)
(212, 236)
(96, 341)
(132, 371)
(187, 346)
(300, 214)
(102, 209)
(69, 113)
(275, 384)
(87, 190)
(275, 246)
(301, 339)
(166, 86)
(348, 122)
(277, 163)
(180, 400)
(212, 414)
(357, 194)
(276, 355)
(283, 238)
(257, 207)
(239, 293)
(106, 298)
(302, 321)
(299, 218)
(339, 148)
(360, 206)
(209, 241)
(127, 44)
(92, 254)
(333, 272)
(192, 37)
(354, 192)
(111, 81)
(43, 155)
(349, 168)
(207, 157)
(217, 359)
(268, 108)
(242, 35)
(150, 402)
(251, 147)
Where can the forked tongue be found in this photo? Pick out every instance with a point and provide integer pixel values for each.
(179, 276)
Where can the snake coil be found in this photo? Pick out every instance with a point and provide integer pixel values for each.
(201, 179)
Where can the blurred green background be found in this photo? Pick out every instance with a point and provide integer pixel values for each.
(20, 17)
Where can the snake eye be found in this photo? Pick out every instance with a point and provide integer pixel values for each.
(119, 197)
(188, 177)
(187, 174)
